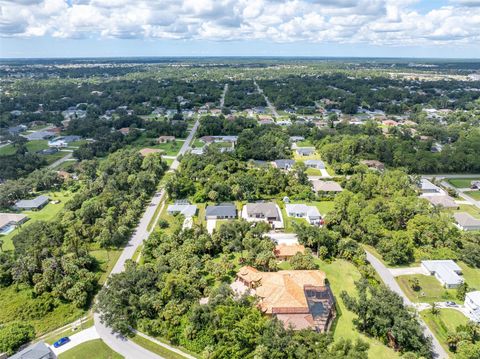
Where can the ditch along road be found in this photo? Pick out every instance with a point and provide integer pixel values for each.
(115, 341)
(390, 282)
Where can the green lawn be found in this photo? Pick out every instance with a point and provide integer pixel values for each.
(306, 143)
(32, 146)
(169, 148)
(341, 275)
(106, 260)
(471, 275)
(474, 194)
(154, 347)
(47, 213)
(197, 143)
(474, 211)
(444, 322)
(431, 289)
(313, 172)
(68, 332)
(94, 349)
(461, 182)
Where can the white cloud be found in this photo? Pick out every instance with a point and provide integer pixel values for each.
(382, 22)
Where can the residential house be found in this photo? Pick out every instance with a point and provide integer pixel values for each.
(8, 221)
(207, 139)
(427, 187)
(284, 164)
(197, 151)
(390, 123)
(284, 252)
(16, 130)
(148, 151)
(472, 305)
(165, 139)
(32, 204)
(301, 299)
(305, 151)
(39, 135)
(326, 186)
(263, 211)
(442, 201)
(182, 207)
(124, 130)
(310, 213)
(446, 271)
(62, 141)
(35, 351)
(374, 164)
(297, 138)
(475, 185)
(221, 211)
(317, 164)
(466, 221)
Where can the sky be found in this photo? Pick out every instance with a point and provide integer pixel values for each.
(340, 28)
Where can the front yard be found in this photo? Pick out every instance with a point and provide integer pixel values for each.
(462, 182)
(430, 289)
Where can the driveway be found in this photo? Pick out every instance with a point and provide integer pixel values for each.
(211, 223)
(408, 271)
(283, 238)
(76, 339)
(389, 281)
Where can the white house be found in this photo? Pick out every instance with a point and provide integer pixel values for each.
(263, 211)
(428, 188)
(182, 207)
(465, 221)
(310, 213)
(472, 305)
(446, 271)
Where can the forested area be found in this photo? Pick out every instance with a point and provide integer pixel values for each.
(216, 126)
(52, 258)
(242, 95)
(376, 92)
(183, 267)
(216, 176)
(383, 210)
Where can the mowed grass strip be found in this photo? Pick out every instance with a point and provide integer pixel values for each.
(94, 349)
(154, 347)
(462, 182)
(430, 289)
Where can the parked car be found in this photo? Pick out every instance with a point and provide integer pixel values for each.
(61, 341)
(451, 304)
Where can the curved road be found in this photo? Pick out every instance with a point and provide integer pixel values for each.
(118, 343)
(389, 280)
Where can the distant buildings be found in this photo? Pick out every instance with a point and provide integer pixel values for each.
(446, 271)
(317, 164)
(39, 135)
(284, 164)
(63, 141)
(305, 151)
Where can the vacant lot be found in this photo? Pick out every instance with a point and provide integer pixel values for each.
(474, 194)
(462, 182)
(443, 323)
(430, 289)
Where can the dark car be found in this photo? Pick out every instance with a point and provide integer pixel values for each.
(61, 341)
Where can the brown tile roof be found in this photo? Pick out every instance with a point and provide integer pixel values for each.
(282, 291)
(297, 321)
(148, 151)
(286, 250)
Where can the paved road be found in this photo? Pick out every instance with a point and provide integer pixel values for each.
(118, 343)
(185, 146)
(67, 157)
(466, 197)
(269, 104)
(390, 282)
(222, 99)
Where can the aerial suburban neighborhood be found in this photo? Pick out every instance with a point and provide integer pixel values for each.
(176, 203)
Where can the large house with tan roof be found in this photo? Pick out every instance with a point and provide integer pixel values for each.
(299, 298)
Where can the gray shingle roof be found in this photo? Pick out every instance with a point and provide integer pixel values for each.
(221, 210)
(32, 203)
(35, 351)
(284, 164)
(266, 209)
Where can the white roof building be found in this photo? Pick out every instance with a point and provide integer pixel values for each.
(429, 188)
(446, 271)
(184, 208)
(472, 305)
(466, 221)
(300, 210)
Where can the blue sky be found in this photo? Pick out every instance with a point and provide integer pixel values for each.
(367, 28)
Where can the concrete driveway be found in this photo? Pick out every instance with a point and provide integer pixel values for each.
(211, 223)
(76, 339)
(408, 271)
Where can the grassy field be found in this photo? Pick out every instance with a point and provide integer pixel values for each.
(474, 194)
(305, 143)
(341, 276)
(47, 213)
(197, 143)
(157, 349)
(106, 260)
(313, 172)
(32, 146)
(431, 289)
(443, 323)
(462, 182)
(94, 349)
(474, 211)
(68, 332)
(471, 275)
